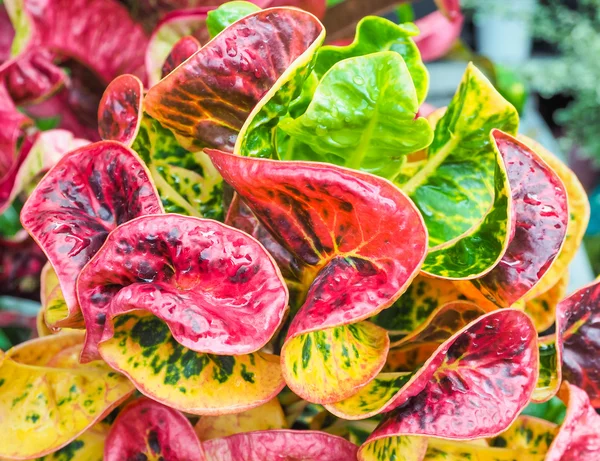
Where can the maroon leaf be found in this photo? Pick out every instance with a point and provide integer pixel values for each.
(580, 313)
(88, 193)
(540, 206)
(280, 444)
(120, 109)
(216, 287)
(181, 51)
(206, 100)
(21, 262)
(149, 430)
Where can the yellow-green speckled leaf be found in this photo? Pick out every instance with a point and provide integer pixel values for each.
(266, 417)
(89, 446)
(47, 399)
(462, 190)
(187, 182)
(550, 376)
(401, 448)
(542, 308)
(579, 217)
(310, 361)
(144, 349)
(54, 306)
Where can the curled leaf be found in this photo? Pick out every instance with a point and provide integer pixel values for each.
(181, 51)
(89, 192)
(120, 109)
(284, 444)
(220, 19)
(206, 100)
(343, 226)
(46, 392)
(540, 207)
(542, 308)
(146, 429)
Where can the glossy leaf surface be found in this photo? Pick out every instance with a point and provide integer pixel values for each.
(88, 193)
(362, 115)
(46, 392)
(343, 226)
(462, 190)
(120, 109)
(206, 101)
(148, 430)
(269, 445)
(374, 34)
(581, 311)
(186, 181)
(268, 416)
(216, 287)
(540, 207)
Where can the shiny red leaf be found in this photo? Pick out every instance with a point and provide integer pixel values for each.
(280, 444)
(206, 100)
(88, 193)
(216, 287)
(120, 109)
(181, 51)
(147, 430)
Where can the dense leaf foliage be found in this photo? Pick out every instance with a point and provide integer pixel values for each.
(275, 246)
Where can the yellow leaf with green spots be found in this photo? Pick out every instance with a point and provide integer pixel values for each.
(579, 217)
(542, 308)
(462, 190)
(54, 307)
(187, 182)
(401, 448)
(89, 446)
(143, 348)
(423, 296)
(527, 433)
(49, 399)
(331, 364)
(266, 417)
(449, 450)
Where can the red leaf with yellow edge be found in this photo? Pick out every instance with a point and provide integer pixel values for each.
(344, 226)
(474, 386)
(540, 206)
(283, 444)
(120, 109)
(268, 416)
(206, 100)
(181, 51)
(579, 217)
(217, 288)
(580, 313)
(148, 430)
(89, 192)
(579, 434)
(48, 399)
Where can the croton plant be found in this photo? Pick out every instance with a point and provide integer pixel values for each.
(267, 252)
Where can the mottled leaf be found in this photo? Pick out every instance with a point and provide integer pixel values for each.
(268, 416)
(579, 217)
(181, 51)
(540, 207)
(221, 18)
(285, 444)
(48, 399)
(89, 192)
(400, 448)
(362, 115)
(143, 348)
(206, 100)
(375, 34)
(580, 313)
(216, 287)
(120, 109)
(186, 181)
(344, 227)
(171, 29)
(54, 307)
(462, 190)
(148, 430)
(474, 386)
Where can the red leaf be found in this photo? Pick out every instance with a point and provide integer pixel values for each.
(120, 109)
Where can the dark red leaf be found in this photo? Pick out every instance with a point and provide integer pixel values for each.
(120, 109)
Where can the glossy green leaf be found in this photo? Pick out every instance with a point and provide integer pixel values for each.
(221, 18)
(362, 116)
(462, 190)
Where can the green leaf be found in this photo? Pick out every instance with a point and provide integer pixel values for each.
(362, 116)
(374, 34)
(221, 18)
(462, 188)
